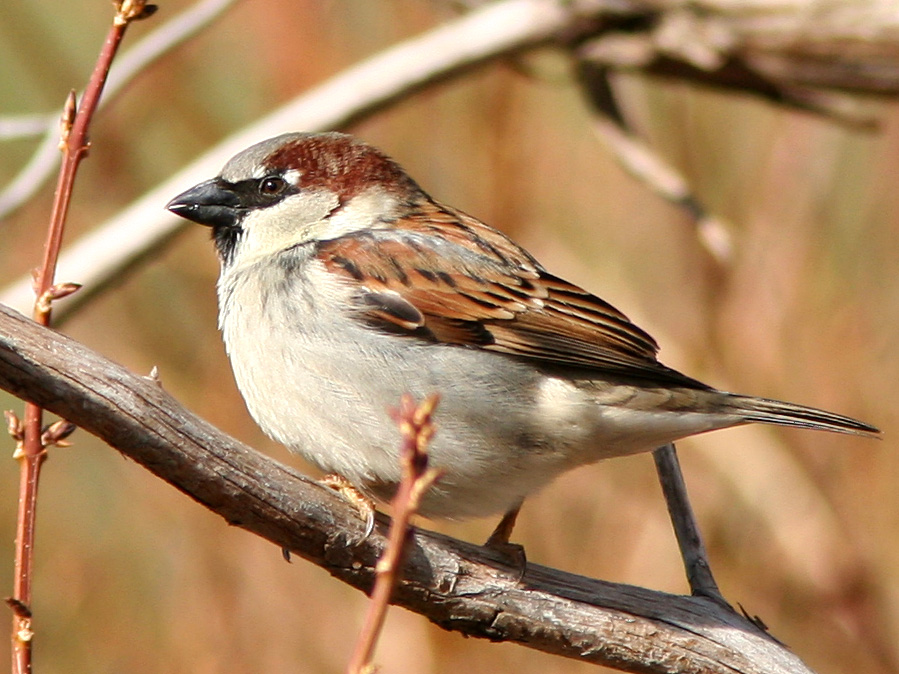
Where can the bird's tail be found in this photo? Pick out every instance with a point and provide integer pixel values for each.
(765, 411)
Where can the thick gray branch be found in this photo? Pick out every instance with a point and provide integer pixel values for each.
(456, 585)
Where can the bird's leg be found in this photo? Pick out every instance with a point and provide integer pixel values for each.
(363, 505)
(499, 541)
(503, 531)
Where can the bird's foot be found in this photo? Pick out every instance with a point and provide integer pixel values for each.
(363, 505)
(510, 553)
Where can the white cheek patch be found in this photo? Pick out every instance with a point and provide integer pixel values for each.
(294, 220)
(311, 215)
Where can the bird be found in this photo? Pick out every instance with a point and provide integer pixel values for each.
(344, 285)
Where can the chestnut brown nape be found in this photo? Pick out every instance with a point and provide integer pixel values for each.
(339, 162)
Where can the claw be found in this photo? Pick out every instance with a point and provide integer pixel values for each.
(363, 505)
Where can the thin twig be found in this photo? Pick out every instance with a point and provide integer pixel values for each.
(646, 165)
(417, 429)
(689, 538)
(32, 446)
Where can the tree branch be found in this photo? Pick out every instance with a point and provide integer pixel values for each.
(456, 585)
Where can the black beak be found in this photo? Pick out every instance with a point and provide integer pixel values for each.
(212, 203)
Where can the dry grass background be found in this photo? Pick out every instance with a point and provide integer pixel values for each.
(803, 528)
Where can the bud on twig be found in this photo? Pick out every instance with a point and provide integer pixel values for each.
(56, 434)
(56, 292)
(16, 429)
(14, 426)
(417, 429)
(132, 10)
(67, 120)
(18, 607)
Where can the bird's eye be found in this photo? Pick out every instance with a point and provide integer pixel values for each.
(272, 186)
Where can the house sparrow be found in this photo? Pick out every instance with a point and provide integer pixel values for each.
(344, 285)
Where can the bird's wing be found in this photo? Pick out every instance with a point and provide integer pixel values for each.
(446, 277)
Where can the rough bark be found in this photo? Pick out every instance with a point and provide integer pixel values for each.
(457, 585)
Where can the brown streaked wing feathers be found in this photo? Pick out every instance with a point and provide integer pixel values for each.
(473, 287)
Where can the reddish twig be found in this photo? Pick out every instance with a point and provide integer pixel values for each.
(31, 439)
(417, 429)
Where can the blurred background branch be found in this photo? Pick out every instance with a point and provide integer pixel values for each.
(795, 54)
(135, 61)
(449, 50)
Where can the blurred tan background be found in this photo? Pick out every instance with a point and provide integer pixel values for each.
(802, 527)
